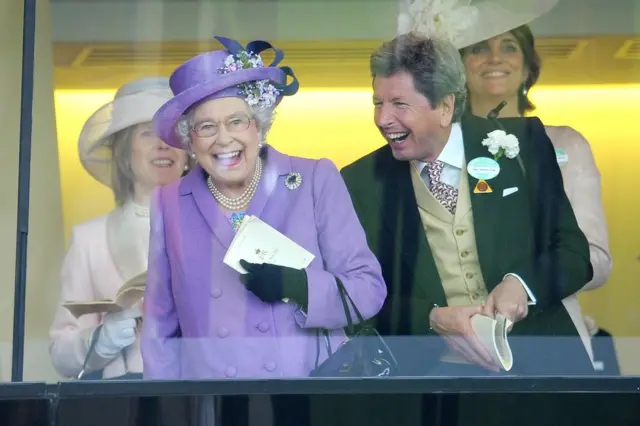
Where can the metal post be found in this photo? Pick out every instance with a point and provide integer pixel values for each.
(24, 174)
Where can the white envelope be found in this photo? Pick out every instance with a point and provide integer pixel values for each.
(257, 242)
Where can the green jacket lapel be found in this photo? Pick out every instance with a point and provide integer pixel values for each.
(489, 209)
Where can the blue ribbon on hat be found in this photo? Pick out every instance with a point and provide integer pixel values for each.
(257, 47)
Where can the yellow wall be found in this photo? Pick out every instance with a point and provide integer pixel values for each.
(82, 196)
(338, 124)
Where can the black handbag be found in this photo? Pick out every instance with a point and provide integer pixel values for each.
(364, 353)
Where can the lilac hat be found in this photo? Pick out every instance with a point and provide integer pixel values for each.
(236, 71)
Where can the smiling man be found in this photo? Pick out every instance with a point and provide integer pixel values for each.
(465, 221)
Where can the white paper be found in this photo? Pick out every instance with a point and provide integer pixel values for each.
(257, 242)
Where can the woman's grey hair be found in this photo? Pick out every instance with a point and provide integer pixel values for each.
(122, 176)
(435, 65)
(264, 118)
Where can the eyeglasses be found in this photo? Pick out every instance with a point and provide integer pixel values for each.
(234, 124)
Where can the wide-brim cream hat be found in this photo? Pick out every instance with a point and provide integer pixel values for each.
(467, 22)
(134, 103)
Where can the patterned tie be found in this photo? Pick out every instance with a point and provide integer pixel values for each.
(446, 194)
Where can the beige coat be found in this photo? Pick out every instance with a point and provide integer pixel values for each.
(104, 252)
(582, 185)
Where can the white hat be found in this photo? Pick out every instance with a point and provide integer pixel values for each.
(467, 22)
(134, 103)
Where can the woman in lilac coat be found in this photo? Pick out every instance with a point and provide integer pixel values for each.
(202, 319)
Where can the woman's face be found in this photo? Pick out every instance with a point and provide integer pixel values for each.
(226, 141)
(495, 67)
(154, 163)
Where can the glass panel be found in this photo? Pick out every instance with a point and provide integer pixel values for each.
(10, 71)
(418, 247)
(43, 228)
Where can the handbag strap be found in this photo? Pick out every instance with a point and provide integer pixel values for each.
(346, 301)
(350, 328)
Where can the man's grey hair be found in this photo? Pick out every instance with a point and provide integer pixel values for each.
(122, 176)
(264, 118)
(435, 65)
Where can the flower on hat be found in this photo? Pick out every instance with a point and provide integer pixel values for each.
(444, 19)
(261, 93)
(501, 143)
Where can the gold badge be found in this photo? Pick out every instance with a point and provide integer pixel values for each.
(482, 187)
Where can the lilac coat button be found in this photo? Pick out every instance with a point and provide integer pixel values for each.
(216, 292)
(223, 332)
(230, 372)
(263, 326)
(270, 366)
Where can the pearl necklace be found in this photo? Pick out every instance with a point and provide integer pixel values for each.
(239, 203)
(140, 211)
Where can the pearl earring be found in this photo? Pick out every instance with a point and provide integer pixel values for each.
(192, 155)
(186, 167)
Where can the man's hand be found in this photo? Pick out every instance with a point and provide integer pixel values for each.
(453, 323)
(508, 298)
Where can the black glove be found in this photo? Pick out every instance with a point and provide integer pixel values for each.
(272, 283)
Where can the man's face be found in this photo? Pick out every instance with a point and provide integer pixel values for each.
(407, 120)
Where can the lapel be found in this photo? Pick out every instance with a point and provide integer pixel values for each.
(272, 195)
(463, 206)
(404, 231)
(195, 185)
(276, 167)
(488, 211)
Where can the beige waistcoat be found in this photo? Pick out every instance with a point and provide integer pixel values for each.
(452, 241)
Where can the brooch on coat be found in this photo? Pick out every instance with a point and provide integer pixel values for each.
(293, 181)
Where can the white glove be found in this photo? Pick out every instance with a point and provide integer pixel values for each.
(118, 332)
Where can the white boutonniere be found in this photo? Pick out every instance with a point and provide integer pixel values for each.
(501, 143)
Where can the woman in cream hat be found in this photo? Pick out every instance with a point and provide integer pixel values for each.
(502, 64)
(119, 148)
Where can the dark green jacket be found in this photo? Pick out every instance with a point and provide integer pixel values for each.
(532, 233)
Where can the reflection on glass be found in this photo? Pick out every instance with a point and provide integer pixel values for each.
(462, 248)
(582, 84)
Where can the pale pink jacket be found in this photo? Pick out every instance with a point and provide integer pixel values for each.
(582, 185)
(103, 251)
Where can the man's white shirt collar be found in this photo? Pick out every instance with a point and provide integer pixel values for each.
(453, 152)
